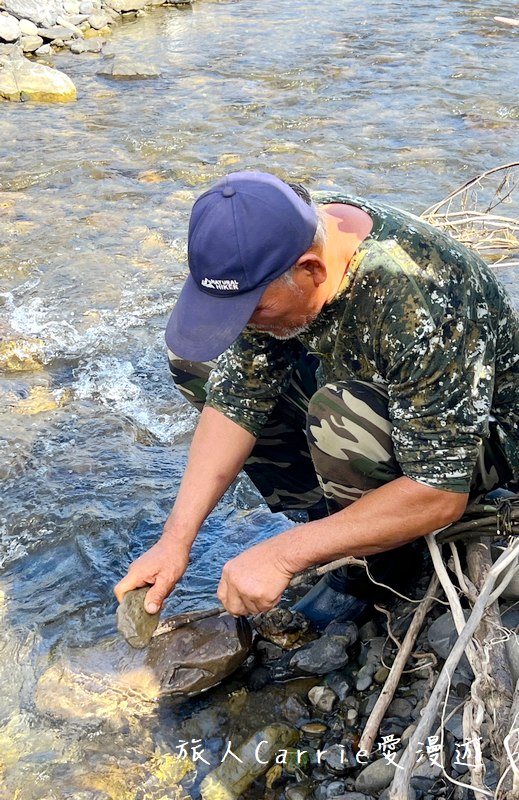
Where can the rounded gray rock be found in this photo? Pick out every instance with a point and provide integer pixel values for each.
(364, 678)
(375, 777)
(400, 707)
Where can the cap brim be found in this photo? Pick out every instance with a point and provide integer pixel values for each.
(202, 326)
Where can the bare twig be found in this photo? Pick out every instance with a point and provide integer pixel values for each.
(375, 718)
(401, 781)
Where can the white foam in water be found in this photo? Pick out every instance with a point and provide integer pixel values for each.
(65, 339)
(113, 383)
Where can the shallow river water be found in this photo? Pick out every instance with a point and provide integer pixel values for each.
(395, 100)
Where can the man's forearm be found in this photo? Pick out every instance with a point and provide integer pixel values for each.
(218, 452)
(388, 517)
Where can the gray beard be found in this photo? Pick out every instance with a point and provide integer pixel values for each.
(289, 333)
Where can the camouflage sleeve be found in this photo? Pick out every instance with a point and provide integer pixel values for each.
(249, 378)
(440, 384)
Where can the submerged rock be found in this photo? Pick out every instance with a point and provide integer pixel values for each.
(19, 355)
(133, 621)
(197, 656)
(21, 79)
(124, 68)
(231, 778)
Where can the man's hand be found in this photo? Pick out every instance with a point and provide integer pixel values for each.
(162, 566)
(254, 581)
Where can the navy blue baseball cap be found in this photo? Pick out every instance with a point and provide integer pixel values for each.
(245, 231)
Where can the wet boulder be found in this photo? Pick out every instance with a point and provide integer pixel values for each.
(21, 79)
(194, 657)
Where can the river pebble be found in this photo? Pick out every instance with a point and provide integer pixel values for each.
(322, 698)
(295, 710)
(364, 678)
(98, 21)
(316, 658)
(381, 675)
(28, 28)
(400, 707)
(300, 792)
(375, 777)
(340, 758)
(339, 684)
(31, 43)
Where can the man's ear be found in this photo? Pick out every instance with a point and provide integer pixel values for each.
(312, 266)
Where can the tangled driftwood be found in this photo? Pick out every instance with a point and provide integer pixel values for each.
(469, 214)
(473, 214)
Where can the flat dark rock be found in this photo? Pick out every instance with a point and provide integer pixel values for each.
(196, 656)
(133, 621)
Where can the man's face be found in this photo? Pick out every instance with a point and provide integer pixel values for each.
(286, 309)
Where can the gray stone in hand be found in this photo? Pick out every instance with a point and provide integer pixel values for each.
(133, 621)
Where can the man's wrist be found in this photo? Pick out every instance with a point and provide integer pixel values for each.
(291, 553)
(177, 534)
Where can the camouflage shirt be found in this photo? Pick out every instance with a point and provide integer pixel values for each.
(418, 314)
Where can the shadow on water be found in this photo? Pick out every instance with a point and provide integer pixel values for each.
(398, 101)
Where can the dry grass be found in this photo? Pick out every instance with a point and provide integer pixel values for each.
(474, 214)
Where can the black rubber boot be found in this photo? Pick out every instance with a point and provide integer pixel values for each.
(348, 593)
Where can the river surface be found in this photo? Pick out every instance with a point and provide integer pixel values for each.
(399, 101)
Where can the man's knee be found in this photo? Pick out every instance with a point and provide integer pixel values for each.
(349, 437)
(351, 410)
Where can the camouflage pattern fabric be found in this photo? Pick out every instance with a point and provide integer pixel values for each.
(280, 465)
(422, 319)
(322, 450)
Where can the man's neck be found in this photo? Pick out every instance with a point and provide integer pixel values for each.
(346, 227)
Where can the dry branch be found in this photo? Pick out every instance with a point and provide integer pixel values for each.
(375, 718)
(467, 213)
(402, 778)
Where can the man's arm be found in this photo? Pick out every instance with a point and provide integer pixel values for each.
(390, 516)
(219, 449)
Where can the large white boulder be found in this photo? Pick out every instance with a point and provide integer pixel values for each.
(21, 79)
(41, 12)
(9, 28)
